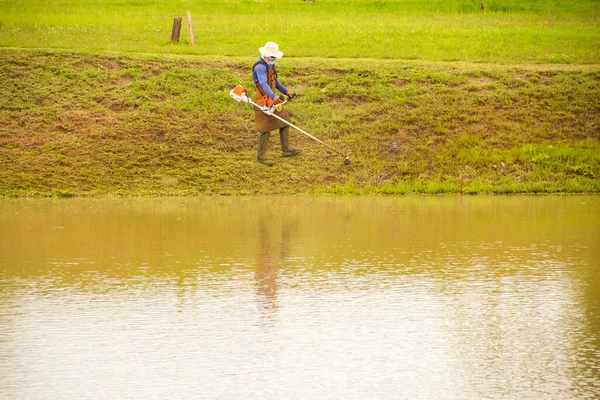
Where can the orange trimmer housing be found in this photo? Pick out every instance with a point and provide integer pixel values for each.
(239, 90)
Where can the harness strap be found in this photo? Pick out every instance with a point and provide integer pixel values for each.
(272, 80)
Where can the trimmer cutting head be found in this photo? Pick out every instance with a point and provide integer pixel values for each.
(347, 160)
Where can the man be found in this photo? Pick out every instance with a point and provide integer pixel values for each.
(266, 82)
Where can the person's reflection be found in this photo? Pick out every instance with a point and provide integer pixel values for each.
(272, 253)
(186, 287)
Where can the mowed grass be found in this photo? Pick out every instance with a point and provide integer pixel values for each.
(83, 124)
(506, 31)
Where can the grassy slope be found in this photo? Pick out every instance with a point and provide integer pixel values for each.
(75, 123)
(88, 122)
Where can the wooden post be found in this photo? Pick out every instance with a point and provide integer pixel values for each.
(480, 4)
(176, 29)
(189, 17)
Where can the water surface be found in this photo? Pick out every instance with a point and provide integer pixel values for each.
(300, 297)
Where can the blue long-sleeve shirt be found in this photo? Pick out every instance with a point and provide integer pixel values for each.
(260, 76)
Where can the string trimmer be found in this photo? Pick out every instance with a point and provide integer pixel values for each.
(239, 94)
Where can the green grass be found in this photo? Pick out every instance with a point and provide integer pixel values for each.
(506, 31)
(429, 97)
(88, 124)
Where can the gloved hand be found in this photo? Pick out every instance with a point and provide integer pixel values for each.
(290, 95)
(277, 100)
(269, 101)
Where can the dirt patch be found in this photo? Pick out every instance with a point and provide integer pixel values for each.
(478, 127)
(79, 66)
(363, 85)
(238, 70)
(119, 107)
(395, 147)
(399, 83)
(113, 67)
(124, 80)
(545, 79)
(481, 81)
(335, 72)
(154, 69)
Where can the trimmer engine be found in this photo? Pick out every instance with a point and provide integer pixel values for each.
(239, 94)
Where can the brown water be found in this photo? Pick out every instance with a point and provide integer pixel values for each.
(300, 297)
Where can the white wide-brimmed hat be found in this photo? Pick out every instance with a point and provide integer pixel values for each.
(270, 50)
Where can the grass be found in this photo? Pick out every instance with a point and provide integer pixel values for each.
(89, 124)
(506, 31)
(434, 96)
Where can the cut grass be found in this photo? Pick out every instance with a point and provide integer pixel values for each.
(85, 124)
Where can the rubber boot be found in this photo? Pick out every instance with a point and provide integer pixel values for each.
(284, 136)
(263, 140)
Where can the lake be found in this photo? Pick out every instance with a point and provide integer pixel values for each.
(300, 297)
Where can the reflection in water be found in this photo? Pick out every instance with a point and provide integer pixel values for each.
(274, 243)
(448, 297)
(267, 267)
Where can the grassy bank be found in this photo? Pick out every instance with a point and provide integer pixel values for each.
(75, 123)
(505, 31)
